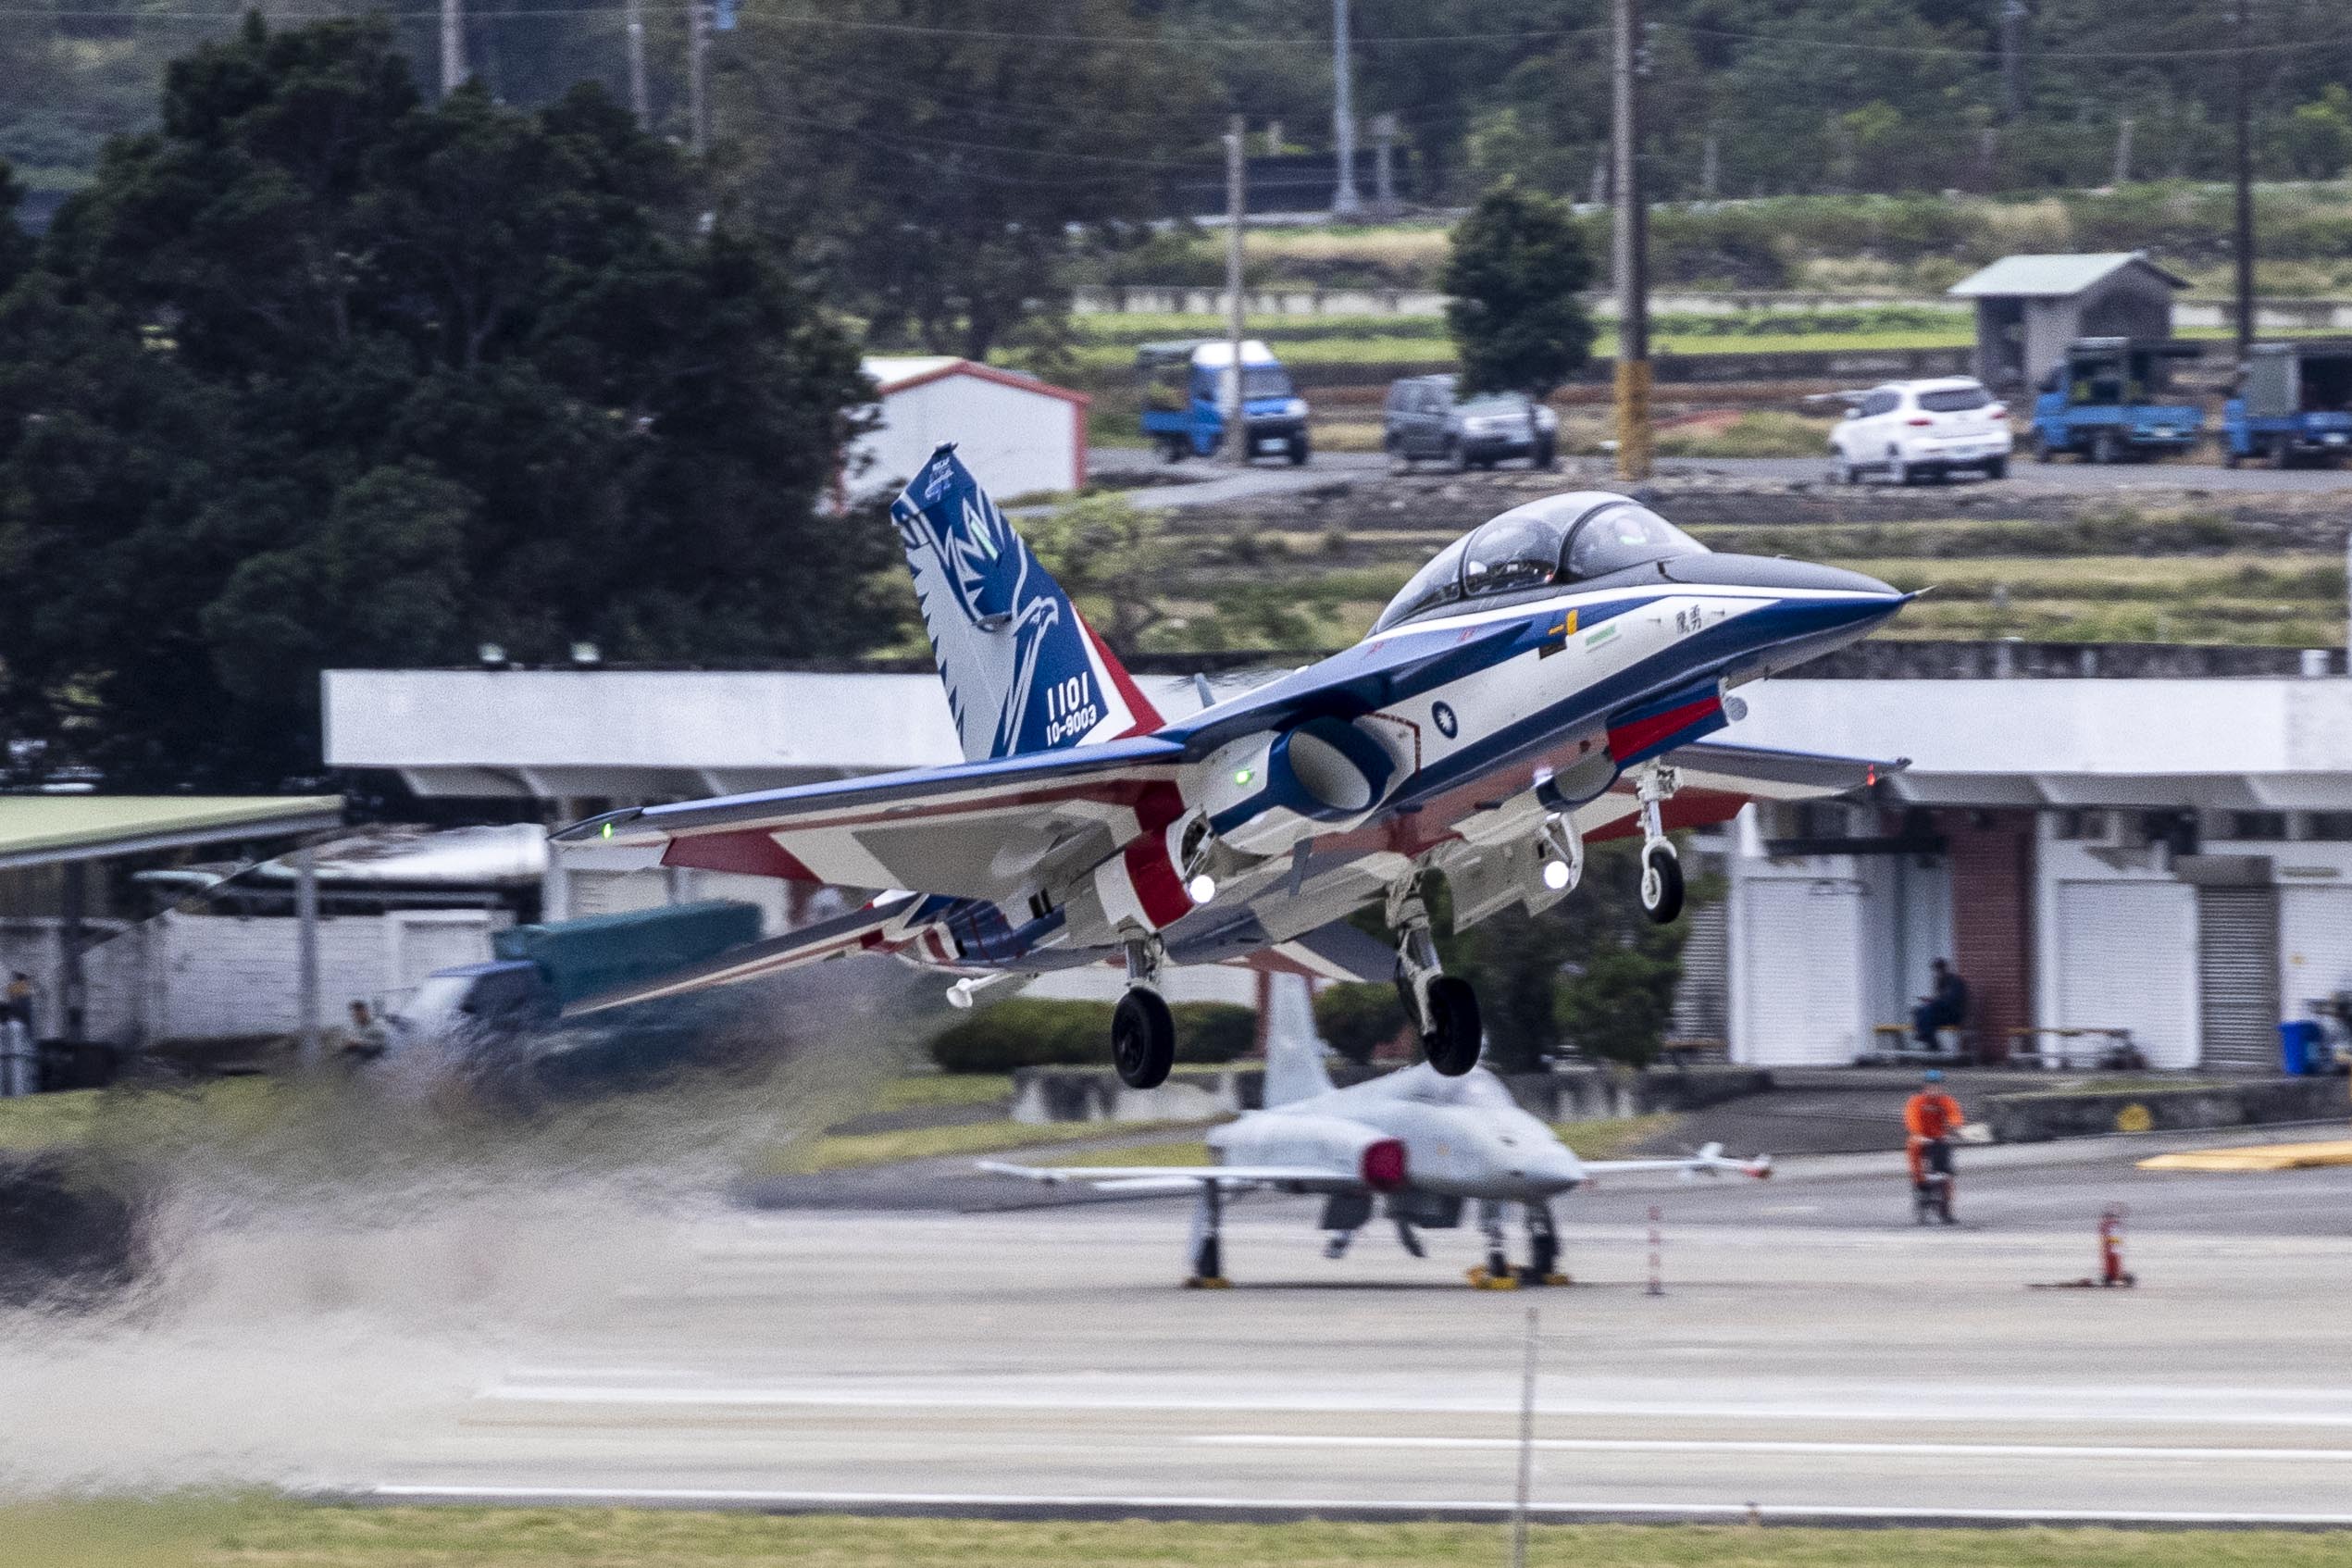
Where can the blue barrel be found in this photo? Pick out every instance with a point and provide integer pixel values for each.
(2299, 1044)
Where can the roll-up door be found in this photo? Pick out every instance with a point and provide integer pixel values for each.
(1800, 971)
(2237, 973)
(1701, 996)
(2126, 959)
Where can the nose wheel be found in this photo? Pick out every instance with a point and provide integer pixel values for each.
(1662, 870)
(1662, 882)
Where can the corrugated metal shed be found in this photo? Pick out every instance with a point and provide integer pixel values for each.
(2053, 276)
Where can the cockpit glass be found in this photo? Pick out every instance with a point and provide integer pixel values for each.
(1520, 549)
(1621, 536)
(1561, 538)
(1436, 584)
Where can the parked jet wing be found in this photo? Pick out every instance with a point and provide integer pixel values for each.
(1709, 1160)
(1168, 1178)
(837, 938)
(973, 830)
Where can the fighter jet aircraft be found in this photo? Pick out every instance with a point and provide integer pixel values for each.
(1420, 1143)
(1546, 679)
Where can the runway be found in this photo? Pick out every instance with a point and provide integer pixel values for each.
(1813, 1355)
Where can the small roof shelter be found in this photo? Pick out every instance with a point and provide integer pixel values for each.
(2029, 308)
(70, 832)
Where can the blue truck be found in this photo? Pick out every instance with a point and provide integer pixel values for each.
(502, 1017)
(2110, 401)
(1185, 389)
(2293, 405)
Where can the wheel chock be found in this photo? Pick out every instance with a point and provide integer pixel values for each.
(1482, 1280)
(1558, 1279)
(1208, 1282)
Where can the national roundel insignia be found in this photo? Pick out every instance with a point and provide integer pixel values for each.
(1447, 724)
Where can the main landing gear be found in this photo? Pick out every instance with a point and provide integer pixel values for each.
(1143, 1031)
(1662, 870)
(1208, 1249)
(1442, 1006)
(1543, 1250)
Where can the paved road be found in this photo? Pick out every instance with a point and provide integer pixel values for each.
(1218, 485)
(1813, 1352)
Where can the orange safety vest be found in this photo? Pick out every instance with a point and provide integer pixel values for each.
(1932, 1114)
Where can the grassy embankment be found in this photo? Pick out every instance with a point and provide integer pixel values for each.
(268, 1533)
(2110, 575)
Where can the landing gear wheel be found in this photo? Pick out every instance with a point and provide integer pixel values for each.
(1143, 1039)
(1452, 1038)
(1661, 884)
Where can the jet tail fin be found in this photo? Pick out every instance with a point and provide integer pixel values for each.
(1294, 1052)
(1023, 672)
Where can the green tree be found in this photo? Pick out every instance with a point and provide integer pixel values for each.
(317, 374)
(1514, 280)
(2316, 142)
(936, 172)
(1111, 555)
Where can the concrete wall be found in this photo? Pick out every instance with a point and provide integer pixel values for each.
(210, 976)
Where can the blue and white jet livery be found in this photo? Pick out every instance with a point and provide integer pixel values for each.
(1547, 680)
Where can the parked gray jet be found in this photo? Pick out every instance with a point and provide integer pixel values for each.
(1419, 1142)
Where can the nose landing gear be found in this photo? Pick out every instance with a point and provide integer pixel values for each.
(1662, 870)
(1443, 1006)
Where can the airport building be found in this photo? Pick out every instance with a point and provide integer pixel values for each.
(2112, 843)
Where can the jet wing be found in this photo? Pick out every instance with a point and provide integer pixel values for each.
(1768, 774)
(845, 934)
(1709, 1160)
(976, 829)
(1167, 1178)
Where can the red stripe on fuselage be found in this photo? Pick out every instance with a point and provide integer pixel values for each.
(1642, 734)
(1159, 887)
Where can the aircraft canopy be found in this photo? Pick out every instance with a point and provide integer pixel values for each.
(1561, 538)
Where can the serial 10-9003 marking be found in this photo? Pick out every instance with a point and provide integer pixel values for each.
(1070, 708)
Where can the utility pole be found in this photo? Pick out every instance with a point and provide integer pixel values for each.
(1383, 167)
(698, 71)
(2012, 58)
(2122, 151)
(2241, 130)
(634, 14)
(1345, 203)
(1632, 247)
(1236, 439)
(453, 46)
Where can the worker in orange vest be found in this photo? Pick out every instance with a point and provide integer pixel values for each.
(1930, 1117)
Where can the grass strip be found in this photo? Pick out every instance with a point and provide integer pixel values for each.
(273, 1533)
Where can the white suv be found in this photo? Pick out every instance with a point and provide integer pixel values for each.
(1914, 429)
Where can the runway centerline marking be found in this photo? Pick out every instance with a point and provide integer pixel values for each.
(1736, 1444)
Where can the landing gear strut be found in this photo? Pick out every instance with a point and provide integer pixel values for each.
(1662, 870)
(1208, 1250)
(1444, 1007)
(1143, 1031)
(1543, 1250)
